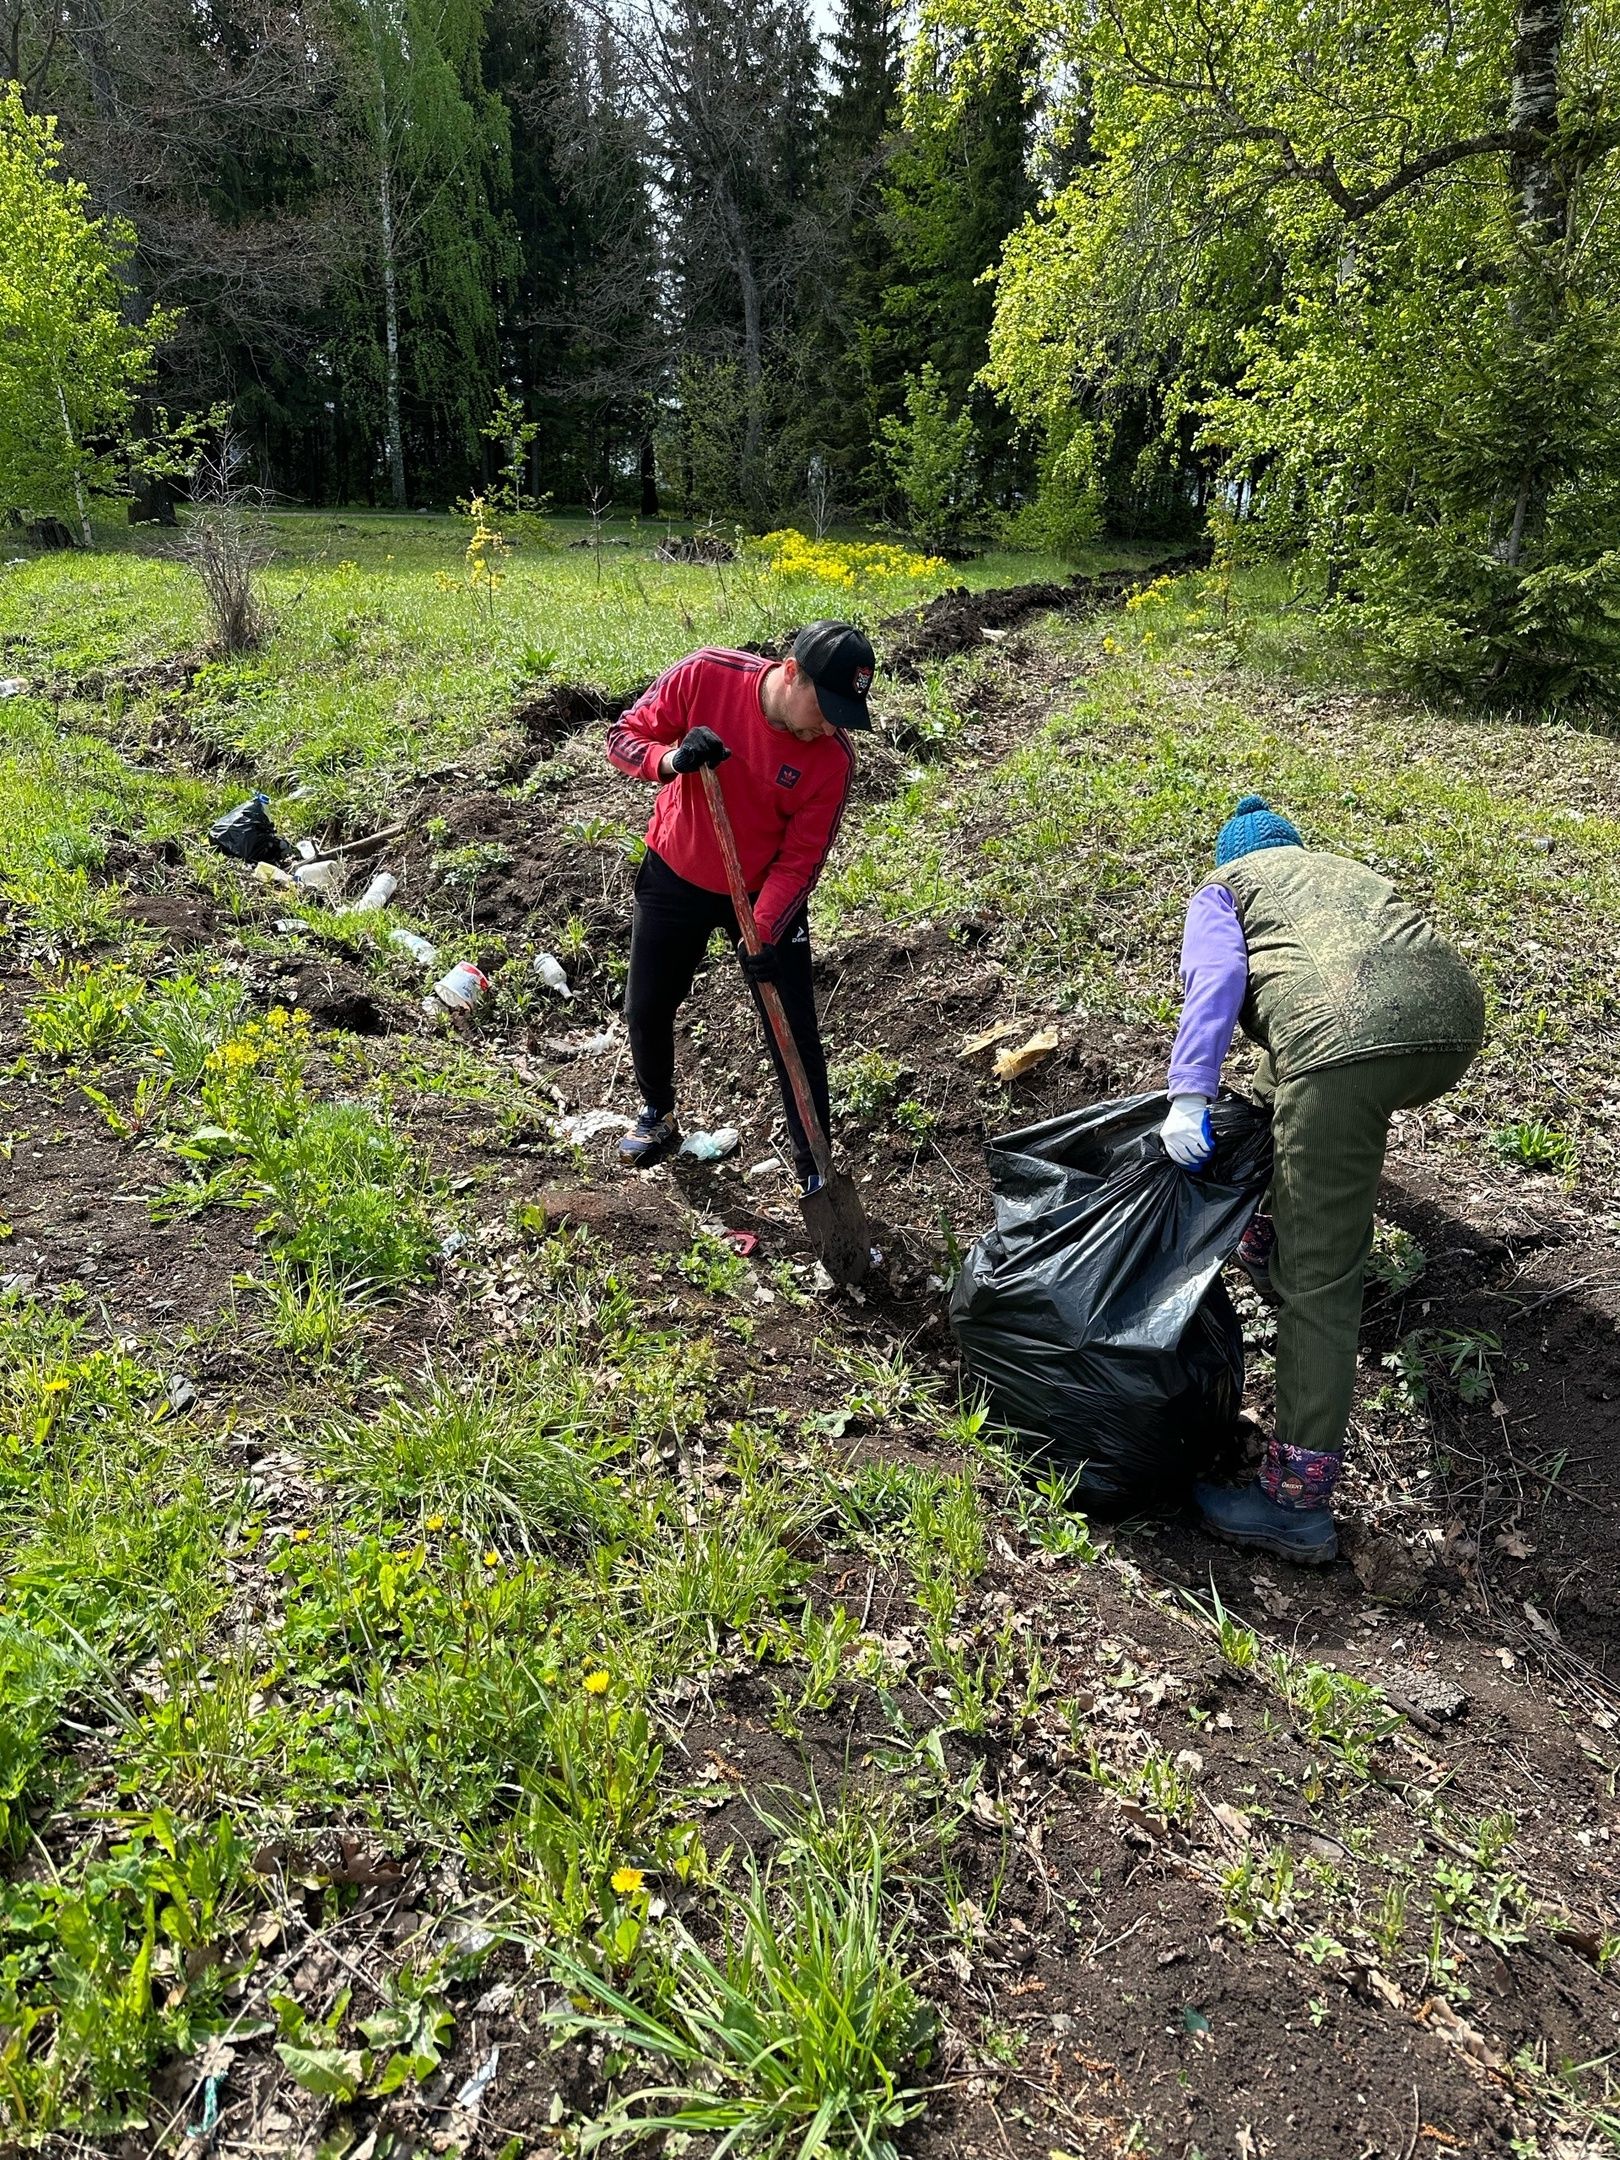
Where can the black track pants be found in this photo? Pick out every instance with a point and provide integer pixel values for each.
(673, 923)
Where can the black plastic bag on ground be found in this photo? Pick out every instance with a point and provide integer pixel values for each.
(248, 834)
(1094, 1312)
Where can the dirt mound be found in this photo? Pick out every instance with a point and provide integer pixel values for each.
(956, 621)
(567, 709)
(700, 548)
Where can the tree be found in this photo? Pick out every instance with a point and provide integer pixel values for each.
(71, 363)
(858, 137)
(957, 183)
(1369, 268)
(435, 158)
(930, 458)
(201, 123)
(730, 89)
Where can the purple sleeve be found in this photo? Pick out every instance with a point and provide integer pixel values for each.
(1215, 969)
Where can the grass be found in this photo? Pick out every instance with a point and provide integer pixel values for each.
(382, 658)
(1082, 846)
(800, 2037)
(457, 1599)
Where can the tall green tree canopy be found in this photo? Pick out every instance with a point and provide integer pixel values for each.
(1368, 255)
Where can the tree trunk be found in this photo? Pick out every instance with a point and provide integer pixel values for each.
(78, 477)
(391, 421)
(393, 433)
(753, 478)
(1542, 203)
(649, 478)
(1540, 208)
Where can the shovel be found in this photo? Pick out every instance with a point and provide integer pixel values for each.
(833, 1214)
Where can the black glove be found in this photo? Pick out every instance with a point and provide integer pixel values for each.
(700, 747)
(764, 966)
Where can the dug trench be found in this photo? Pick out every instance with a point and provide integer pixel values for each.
(1166, 1844)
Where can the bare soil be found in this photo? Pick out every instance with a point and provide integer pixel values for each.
(1109, 2004)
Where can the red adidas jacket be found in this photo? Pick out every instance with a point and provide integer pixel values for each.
(784, 797)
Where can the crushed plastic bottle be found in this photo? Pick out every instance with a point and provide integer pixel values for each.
(550, 971)
(711, 1146)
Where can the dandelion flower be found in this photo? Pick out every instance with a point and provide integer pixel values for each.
(492, 1559)
(596, 1683)
(434, 1522)
(626, 1879)
(302, 1537)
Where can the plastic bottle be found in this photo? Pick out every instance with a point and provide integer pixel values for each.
(550, 971)
(322, 877)
(418, 947)
(378, 893)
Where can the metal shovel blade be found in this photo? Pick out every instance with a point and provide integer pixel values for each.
(838, 1228)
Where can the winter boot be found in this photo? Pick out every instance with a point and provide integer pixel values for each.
(1285, 1511)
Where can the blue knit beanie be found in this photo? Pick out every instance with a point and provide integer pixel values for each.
(1253, 825)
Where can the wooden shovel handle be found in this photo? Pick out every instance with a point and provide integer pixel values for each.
(770, 997)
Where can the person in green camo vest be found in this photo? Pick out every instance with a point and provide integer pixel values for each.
(1361, 1009)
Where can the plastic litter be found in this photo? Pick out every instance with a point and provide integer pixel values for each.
(459, 993)
(711, 1146)
(324, 877)
(472, 2093)
(582, 1042)
(248, 834)
(1093, 1312)
(550, 971)
(770, 1166)
(181, 1395)
(12, 685)
(266, 873)
(591, 1124)
(746, 1242)
(377, 894)
(418, 947)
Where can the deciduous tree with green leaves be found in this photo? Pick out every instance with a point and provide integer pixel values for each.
(930, 458)
(1373, 257)
(72, 363)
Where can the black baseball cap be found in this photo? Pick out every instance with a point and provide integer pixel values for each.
(840, 662)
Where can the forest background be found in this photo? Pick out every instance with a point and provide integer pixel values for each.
(1337, 290)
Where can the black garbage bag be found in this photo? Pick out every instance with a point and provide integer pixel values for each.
(247, 833)
(1094, 1312)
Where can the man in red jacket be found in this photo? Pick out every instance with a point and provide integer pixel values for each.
(777, 730)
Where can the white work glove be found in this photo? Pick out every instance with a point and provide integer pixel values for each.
(1188, 1136)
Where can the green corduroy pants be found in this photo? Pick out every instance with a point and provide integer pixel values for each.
(1329, 1130)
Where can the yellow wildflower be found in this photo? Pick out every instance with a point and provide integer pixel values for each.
(492, 1559)
(434, 1522)
(302, 1537)
(626, 1879)
(596, 1683)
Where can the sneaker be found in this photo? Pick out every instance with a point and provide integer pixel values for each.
(654, 1133)
(1254, 1252)
(810, 1181)
(1242, 1515)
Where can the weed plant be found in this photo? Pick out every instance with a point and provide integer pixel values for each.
(802, 2035)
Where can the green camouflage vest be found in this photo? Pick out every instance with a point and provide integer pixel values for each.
(1340, 967)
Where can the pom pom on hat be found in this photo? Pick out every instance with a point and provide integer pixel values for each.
(1253, 825)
